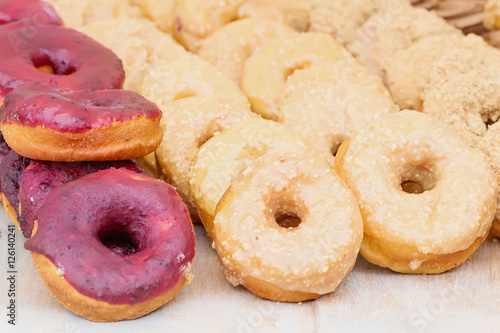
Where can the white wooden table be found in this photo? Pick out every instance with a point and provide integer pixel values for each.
(371, 299)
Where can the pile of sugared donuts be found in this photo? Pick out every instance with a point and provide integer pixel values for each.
(110, 242)
(281, 130)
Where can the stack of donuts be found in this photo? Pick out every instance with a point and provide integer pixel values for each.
(282, 132)
(110, 242)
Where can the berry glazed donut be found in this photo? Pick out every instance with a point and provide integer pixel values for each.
(229, 47)
(47, 123)
(10, 171)
(427, 198)
(336, 99)
(188, 77)
(229, 153)
(187, 124)
(266, 71)
(39, 178)
(34, 11)
(77, 61)
(288, 229)
(113, 245)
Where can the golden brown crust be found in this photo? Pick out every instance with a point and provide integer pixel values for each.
(495, 228)
(90, 308)
(120, 141)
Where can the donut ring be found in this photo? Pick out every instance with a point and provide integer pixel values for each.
(168, 82)
(229, 47)
(291, 263)
(79, 63)
(47, 123)
(181, 141)
(32, 11)
(129, 227)
(437, 229)
(229, 153)
(266, 71)
(336, 99)
(39, 178)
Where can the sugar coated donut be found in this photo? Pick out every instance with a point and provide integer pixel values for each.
(113, 245)
(48, 123)
(39, 178)
(34, 11)
(229, 47)
(288, 262)
(78, 62)
(427, 198)
(266, 71)
(336, 99)
(229, 153)
(187, 124)
(10, 171)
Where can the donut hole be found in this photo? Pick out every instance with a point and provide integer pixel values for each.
(490, 122)
(287, 220)
(418, 180)
(183, 94)
(119, 241)
(296, 67)
(48, 64)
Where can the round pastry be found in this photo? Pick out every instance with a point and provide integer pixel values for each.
(33, 11)
(336, 99)
(229, 153)
(191, 76)
(187, 124)
(78, 62)
(39, 178)
(229, 47)
(113, 245)
(266, 71)
(10, 171)
(427, 198)
(47, 123)
(288, 229)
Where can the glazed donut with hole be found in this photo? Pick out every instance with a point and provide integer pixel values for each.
(187, 124)
(76, 61)
(266, 71)
(229, 47)
(329, 102)
(288, 229)
(229, 153)
(39, 178)
(113, 245)
(47, 123)
(427, 198)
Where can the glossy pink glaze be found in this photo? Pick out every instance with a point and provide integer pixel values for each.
(40, 178)
(147, 211)
(78, 61)
(73, 111)
(34, 12)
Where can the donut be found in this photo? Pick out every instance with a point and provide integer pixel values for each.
(47, 123)
(138, 43)
(308, 256)
(34, 11)
(39, 178)
(327, 103)
(229, 47)
(266, 71)
(113, 245)
(427, 198)
(379, 39)
(10, 171)
(228, 153)
(170, 81)
(187, 124)
(78, 13)
(77, 61)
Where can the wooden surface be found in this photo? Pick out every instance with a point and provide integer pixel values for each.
(371, 299)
